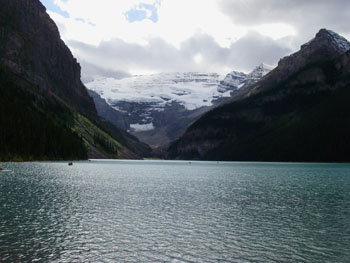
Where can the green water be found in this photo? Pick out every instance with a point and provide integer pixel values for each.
(158, 211)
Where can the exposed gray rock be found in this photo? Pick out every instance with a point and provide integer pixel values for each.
(326, 45)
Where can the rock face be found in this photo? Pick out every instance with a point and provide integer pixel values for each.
(297, 112)
(233, 81)
(236, 82)
(30, 45)
(46, 112)
(326, 44)
(158, 108)
(344, 63)
(108, 113)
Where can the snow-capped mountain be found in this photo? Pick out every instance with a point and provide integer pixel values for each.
(236, 80)
(191, 90)
(157, 108)
(297, 112)
(326, 44)
(335, 40)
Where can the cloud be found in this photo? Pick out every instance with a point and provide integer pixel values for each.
(199, 53)
(91, 71)
(254, 49)
(117, 38)
(306, 16)
(135, 21)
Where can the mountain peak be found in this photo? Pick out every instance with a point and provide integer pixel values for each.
(237, 80)
(260, 71)
(264, 66)
(329, 38)
(328, 33)
(324, 46)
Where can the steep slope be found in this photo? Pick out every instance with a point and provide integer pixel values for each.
(326, 44)
(33, 126)
(158, 108)
(38, 126)
(301, 116)
(107, 112)
(46, 110)
(30, 45)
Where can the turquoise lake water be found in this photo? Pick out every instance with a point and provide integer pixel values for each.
(168, 211)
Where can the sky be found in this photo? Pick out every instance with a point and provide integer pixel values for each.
(120, 38)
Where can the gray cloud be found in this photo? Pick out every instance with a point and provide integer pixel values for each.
(89, 71)
(206, 46)
(307, 16)
(120, 57)
(117, 58)
(254, 49)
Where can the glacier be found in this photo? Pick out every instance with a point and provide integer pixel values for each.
(157, 108)
(190, 89)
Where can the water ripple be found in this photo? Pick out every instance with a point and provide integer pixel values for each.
(174, 212)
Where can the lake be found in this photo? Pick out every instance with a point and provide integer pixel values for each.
(172, 211)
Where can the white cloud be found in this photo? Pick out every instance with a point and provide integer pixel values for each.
(194, 35)
(178, 21)
(199, 53)
(305, 16)
(276, 30)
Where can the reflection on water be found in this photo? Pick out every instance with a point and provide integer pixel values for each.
(153, 211)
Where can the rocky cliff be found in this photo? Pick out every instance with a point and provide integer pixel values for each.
(30, 45)
(325, 45)
(46, 112)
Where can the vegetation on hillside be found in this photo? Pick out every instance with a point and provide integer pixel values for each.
(304, 118)
(35, 125)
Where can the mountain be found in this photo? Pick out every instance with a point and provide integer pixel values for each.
(30, 46)
(235, 81)
(297, 112)
(158, 108)
(46, 111)
(326, 44)
(109, 113)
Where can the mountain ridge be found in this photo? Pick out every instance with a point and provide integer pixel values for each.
(158, 108)
(325, 44)
(301, 117)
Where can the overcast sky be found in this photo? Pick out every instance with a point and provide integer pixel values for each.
(118, 38)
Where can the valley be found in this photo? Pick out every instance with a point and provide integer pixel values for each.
(158, 108)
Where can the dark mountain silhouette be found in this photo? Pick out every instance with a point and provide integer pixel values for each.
(46, 111)
(297, 112)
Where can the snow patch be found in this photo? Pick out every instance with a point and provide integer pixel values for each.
(236, 80)
(192, 90)
(137, 127)
(337, 41)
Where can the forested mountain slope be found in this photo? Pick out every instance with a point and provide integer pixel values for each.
(300, 116)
